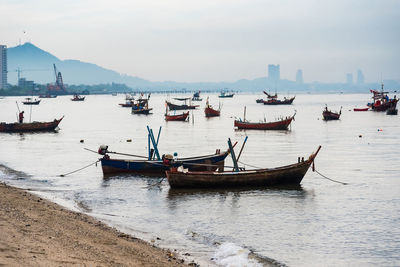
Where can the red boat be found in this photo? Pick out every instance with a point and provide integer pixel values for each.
(29, 127)
(180, 117)
(330, 115)
(360, 109)
(210, 112)
(281, 124)
(382, 102)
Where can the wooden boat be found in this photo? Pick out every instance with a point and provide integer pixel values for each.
(273, 100)
(382, 102)
(179, 117)
(155, 164)
(30, 101)
(210, 112)
(260, 100)
(281, 124)
(141, 106)
(361, 109)
(330, 115)
(29, 126)
(172, 106)
(78, 98)
(224, 94)
(285, 101)
(289, 174)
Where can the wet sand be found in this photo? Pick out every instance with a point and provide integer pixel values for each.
(37, 232)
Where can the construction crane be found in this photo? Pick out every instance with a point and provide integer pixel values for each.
(19, 71)
(59, 80)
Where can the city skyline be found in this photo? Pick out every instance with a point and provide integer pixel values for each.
(214, 41)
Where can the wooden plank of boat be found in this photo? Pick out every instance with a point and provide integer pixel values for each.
(290, 174)
(29, 127)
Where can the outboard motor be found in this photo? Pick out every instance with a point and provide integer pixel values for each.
(103, 149)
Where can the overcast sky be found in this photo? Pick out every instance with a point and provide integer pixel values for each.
(214, 40)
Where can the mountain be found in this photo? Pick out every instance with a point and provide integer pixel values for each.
(37, 64)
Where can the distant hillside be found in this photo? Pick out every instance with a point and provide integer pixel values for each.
(37, 64)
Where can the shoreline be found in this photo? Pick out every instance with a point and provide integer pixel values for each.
(36, 231)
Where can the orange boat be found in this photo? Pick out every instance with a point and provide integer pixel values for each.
(180, 117)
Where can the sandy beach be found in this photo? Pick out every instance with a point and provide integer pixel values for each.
(37, 232)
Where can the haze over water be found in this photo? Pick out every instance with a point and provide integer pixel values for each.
(318, 223)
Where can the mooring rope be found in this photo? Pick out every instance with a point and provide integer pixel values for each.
(329, 178)
(62, 175)
(250, 165)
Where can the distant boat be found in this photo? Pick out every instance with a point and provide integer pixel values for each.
(361, 109)
(172, 106)
(179, 117)
(224, 94)
(78, 98)
(210, 112)
(281, 124)
(330, 115)
(141, 106)
(30, 101)
(29, 126)
(382, 102)
(196, 96)
(273, 100)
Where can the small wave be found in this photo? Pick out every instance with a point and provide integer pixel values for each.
(232, 255)
(12, 174)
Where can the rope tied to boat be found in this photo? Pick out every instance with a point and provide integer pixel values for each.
(314, 170)
(87, 166)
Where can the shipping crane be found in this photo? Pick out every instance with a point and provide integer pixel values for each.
(59, 79)
(19, 71)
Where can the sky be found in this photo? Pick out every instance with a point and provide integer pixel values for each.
(214, 40)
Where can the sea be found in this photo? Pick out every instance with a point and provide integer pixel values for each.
(347, 213)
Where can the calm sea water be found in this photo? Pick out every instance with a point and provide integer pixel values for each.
(318, 223)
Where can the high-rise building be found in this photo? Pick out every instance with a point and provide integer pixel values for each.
(349, 78)
(3, 66)
(274, 74)
(299, 76)
(360, 77)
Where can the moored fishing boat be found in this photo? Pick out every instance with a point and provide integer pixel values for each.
(382, 102)
(172, 106)
(273, 100)
(280, 124)
(29, 126)
(224, 94)
(30, 101)
(78, 98)
(196, 96)
(178, 117)
(154, 164)
(360, 109)
(331, 115)
(210, 112)
(291, 174)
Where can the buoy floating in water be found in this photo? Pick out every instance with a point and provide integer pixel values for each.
(82, 141)
(129, 140)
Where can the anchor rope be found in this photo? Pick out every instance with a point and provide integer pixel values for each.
(62, 175)
(329, 178)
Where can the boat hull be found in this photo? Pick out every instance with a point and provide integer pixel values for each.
(274, 101)
(276, 125)
(31, 102)
(156, 167)
(328, 115)
(179, 117)
(172, 106)
(29, 127)
(210, 112)
(360, 109)
(290, 174)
